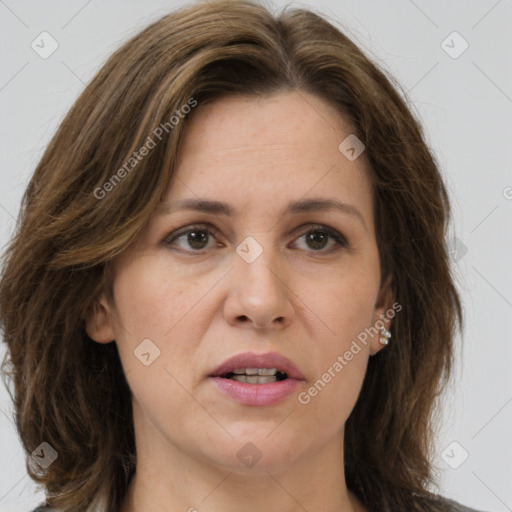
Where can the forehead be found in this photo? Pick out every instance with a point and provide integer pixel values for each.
(274, 148)
(297, 121)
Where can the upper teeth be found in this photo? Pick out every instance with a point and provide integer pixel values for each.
(255, 371)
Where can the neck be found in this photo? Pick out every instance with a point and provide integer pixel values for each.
(201, 488)
(167, 478)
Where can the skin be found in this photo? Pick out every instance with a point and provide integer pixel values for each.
(201, 303)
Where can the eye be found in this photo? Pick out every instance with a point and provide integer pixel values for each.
(195, 239)
(318, 236)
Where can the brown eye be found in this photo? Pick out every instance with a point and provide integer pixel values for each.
(197, 239)
(192, 239)
(317, 239)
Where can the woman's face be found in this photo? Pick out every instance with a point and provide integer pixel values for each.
(262, 271)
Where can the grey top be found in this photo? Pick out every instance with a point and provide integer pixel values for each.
(456, 507)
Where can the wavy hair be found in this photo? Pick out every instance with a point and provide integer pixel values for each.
(71, 392)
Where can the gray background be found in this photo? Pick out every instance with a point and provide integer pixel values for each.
(465, 104)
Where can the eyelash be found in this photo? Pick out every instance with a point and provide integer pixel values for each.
(340, 240)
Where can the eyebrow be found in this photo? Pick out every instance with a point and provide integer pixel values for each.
(316, 204)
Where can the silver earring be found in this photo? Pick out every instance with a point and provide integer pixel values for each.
(384, 335)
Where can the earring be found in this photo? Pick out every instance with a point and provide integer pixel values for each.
(384, 335)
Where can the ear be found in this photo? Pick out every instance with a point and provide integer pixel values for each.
(99, 321)
(381, 316)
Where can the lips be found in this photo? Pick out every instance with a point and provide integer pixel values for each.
(251, 360)
(257, 379)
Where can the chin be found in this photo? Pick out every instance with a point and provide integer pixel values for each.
(259, 448)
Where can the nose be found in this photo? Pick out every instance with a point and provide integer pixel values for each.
(258, 294)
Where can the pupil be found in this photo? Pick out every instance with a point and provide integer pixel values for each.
(314, 237)
(201, 237)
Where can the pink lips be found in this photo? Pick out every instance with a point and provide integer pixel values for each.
(258, 394)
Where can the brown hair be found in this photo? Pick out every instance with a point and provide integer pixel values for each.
(71, 392)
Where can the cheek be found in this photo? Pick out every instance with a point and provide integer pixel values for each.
(159, 303)
(345, 309)
(346, 304)
(148, 307)
(150, 299)
(330, 400)
(152, 304)
(341, 361)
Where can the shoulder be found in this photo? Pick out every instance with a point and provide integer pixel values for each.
(458, 507)
(454, 507)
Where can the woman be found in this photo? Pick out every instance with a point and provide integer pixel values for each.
(229, 287)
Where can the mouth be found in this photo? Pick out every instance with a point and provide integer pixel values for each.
(256, 375)
(254, 368)
(257, 379)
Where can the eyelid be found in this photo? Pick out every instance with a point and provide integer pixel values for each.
(341, 240)
(202, 226)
